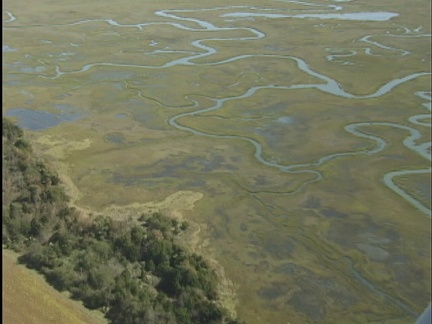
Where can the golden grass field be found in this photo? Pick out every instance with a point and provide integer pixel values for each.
(28, 299)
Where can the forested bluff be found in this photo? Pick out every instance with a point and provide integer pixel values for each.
(134, 270)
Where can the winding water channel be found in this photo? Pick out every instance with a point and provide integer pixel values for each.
(330, 86)
(205, 52)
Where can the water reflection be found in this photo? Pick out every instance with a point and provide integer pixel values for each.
(36, 120)
(360, 16)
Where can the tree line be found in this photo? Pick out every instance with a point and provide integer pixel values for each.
(134, 271)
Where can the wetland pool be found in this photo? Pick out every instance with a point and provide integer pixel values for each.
(303, 125)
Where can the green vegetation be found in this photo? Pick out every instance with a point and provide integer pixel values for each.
(133, 271)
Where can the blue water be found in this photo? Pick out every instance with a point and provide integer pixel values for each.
(36, 120)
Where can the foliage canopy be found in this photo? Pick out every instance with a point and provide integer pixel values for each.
(135, 272)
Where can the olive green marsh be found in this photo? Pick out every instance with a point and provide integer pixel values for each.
(303, 126)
